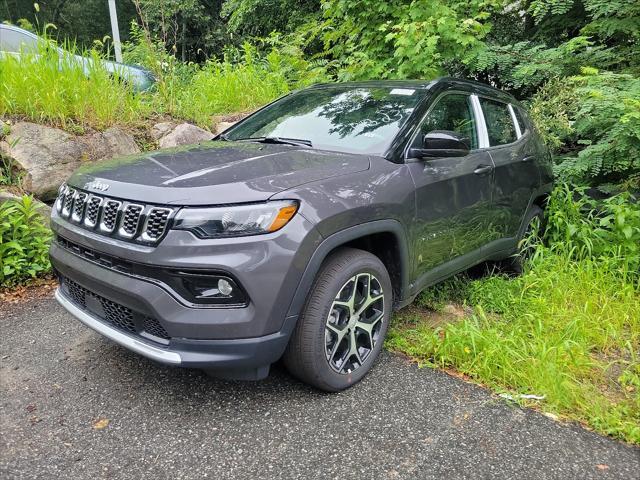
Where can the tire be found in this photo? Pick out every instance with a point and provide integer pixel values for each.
(528, 240)
(320, 351)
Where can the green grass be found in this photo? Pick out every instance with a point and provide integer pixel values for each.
(567, 330)
(224, 87)
(46, 90)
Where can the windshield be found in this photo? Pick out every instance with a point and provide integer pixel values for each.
(343, 118)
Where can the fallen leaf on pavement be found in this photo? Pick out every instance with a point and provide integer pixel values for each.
(101, 423)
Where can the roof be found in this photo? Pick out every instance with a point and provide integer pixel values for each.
(442, 82)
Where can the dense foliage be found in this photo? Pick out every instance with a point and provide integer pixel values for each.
(574, 61)
(24, 241)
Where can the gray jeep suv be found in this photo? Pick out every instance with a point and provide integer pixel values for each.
(298, 231)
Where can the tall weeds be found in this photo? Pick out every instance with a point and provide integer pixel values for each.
(568, 329)
(49, 87)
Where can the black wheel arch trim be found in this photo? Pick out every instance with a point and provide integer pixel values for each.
(341, 238)
(537, 193)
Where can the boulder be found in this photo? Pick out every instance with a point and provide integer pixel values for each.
(222, 126)
(161, 129)
(48, 156)
(184, 134)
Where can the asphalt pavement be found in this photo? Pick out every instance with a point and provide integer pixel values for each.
(76, 406)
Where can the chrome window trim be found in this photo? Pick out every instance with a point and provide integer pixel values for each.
(416, 131)
(483, 133)
(494, 99)
(514, 119)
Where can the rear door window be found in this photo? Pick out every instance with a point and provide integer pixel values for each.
(499, 122)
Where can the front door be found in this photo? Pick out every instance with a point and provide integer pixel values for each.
(453, 195)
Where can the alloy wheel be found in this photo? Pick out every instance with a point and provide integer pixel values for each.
(354, 323)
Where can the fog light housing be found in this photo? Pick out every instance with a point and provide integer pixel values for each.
(210, 288)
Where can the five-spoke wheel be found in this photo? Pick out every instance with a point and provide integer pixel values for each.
(344, 322)
(354, 322)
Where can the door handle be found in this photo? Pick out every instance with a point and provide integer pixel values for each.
(482, 169)
(530, 158)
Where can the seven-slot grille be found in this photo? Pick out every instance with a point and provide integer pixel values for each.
(129, 221)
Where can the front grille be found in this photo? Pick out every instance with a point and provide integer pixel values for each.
(92, 212)
(157, 222)
(68, 202)
(77, 293)
(110, 215)
(153, 327)
(78, 206)
(126, 220)
(116, 315)
(130, 220)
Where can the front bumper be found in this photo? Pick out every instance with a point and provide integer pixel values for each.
(118, 302)
(230, 358)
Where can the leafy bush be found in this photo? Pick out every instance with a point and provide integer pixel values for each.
(607, 231)
(397, 39)
(593, 122)
(24, 241)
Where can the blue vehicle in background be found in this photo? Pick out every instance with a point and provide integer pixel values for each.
(16, 41)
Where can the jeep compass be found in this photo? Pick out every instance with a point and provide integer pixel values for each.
(297, 232)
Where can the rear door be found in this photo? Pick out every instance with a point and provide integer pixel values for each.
(453, 194)
(516, 172)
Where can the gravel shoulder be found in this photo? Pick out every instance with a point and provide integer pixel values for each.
(60, 382)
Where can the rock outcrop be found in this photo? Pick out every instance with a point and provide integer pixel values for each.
(48, 156)
(182, 134)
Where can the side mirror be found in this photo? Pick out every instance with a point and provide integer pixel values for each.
(442, 143)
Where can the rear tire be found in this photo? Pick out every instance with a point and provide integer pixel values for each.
(528, 241)
(344, 322)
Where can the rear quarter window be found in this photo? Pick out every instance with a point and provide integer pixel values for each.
(500, 125)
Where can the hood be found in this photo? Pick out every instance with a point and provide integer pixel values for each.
(214, 173)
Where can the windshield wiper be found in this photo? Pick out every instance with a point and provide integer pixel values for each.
(279, 140)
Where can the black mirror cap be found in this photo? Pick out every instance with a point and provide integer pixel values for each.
(442, 143)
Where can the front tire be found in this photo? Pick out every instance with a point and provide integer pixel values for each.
(344, 322)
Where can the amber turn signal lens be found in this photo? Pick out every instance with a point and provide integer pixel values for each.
(284, 215)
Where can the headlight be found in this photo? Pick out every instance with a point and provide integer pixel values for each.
(235, 221)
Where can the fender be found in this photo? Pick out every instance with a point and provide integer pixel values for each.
(340, 238)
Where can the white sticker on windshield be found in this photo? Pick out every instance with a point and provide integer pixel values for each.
(402, 91)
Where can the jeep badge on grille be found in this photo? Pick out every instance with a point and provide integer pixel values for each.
(97, 185)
